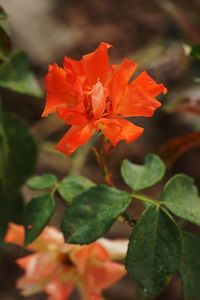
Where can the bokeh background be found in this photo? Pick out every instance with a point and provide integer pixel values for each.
(155, 33)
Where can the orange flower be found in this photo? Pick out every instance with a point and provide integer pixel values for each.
(56, 267)
(91, 95)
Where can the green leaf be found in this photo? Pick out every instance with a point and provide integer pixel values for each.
(154, 251)
(5, 43)
(21, 151)
(42, 182)
(141, 177)
(16, 75)
(190, 266)
(38, 213)
(74, 185)
(180, 196)
(92, 213)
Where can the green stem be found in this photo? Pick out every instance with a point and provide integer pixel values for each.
(146, 199)
(54, 189)
(129, 219)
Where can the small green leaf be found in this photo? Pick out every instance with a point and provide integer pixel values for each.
(180, 196)
(38, 213)
(16, 75)
(73, 185)
(141, 177)
(154, 251)
(190, 266)
(92, 213)
(42, 182)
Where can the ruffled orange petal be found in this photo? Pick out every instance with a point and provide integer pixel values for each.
(149, 85)
(99, 277)
(76, 76)
(96, 65)
(38, 265)
(98, 272)
(72, 116)
(29, 287)
(74, 138)
(73, 66)
(117, 249)
(81, 258)
(15, 234)
(117, 129)
(139, 97)
(120, 80)
(49, 237)
(59, 91)
(58, 290)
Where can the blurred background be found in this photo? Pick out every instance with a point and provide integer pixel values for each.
(158, 35)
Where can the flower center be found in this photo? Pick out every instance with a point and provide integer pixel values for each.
(66, 260)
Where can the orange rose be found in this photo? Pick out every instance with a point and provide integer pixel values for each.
(92, 95)
(57, 268)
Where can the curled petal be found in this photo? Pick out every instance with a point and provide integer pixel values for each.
(75, 75)
(75, 137)
(139, 97)
(117, 129)
(72, 116)
(73, 67)
(38, 265)
(149, 85)
(58, 91)
(116, 248)
(101, 276)
(98, 272)
(96, 65)
(82, 257)
(15, 234)
(29, 287)
(59, 290)
(98, 99)
(120, 80)
(50, 237)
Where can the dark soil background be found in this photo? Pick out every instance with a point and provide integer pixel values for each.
(154, 33)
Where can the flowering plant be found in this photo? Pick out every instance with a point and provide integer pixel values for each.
(90, 95)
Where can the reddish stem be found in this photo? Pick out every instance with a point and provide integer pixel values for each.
(101, 159)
